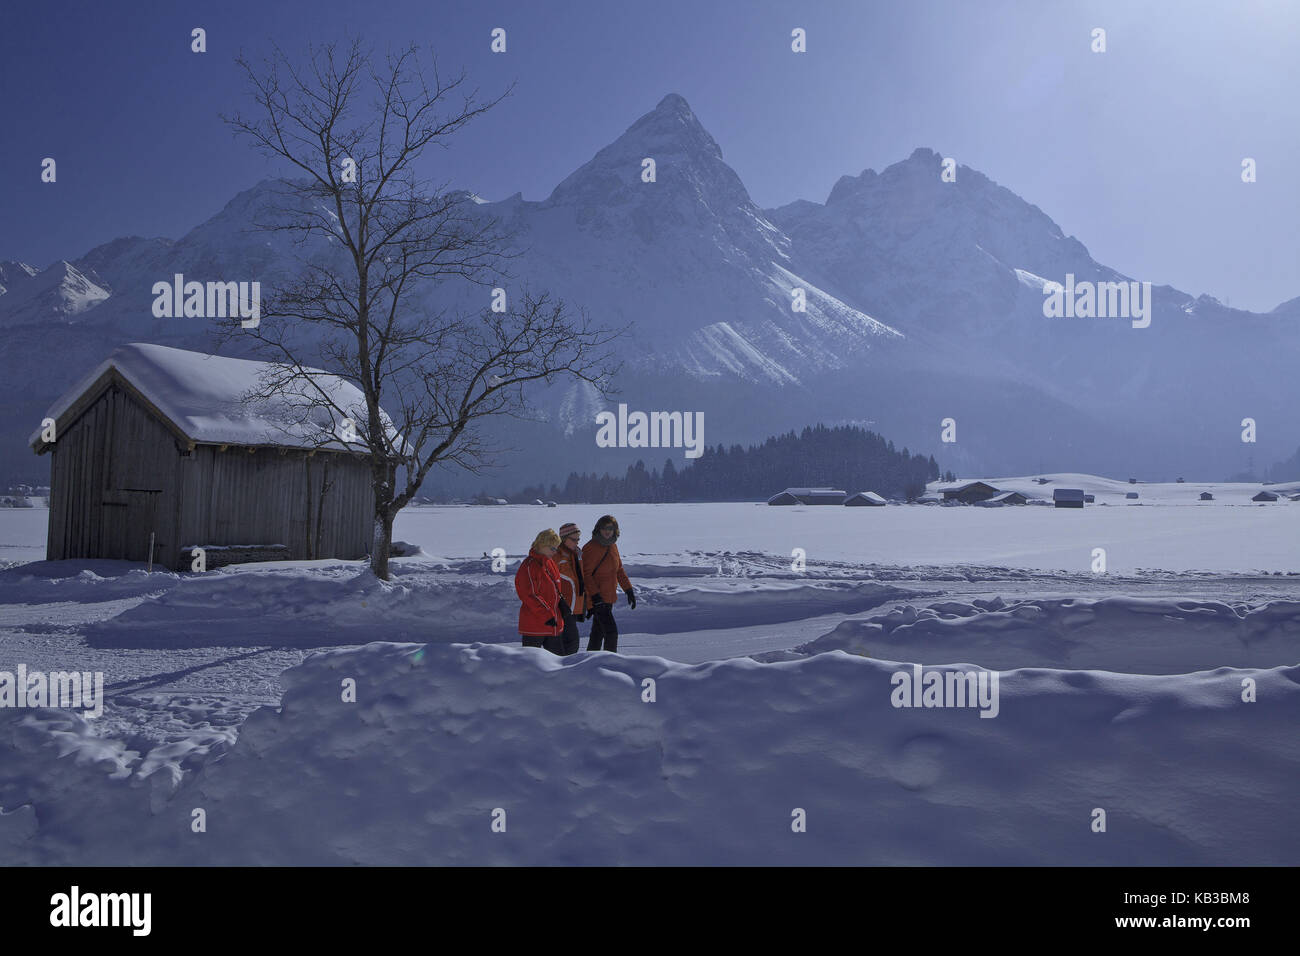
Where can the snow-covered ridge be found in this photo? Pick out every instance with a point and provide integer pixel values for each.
(1124, 634)
(442, 739)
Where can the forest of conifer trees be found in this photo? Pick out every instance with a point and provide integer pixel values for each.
(844, 456)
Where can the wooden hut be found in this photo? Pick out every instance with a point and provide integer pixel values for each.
(809, 496)
(1206, 496)
(187, 450)
(865, 499)
(1265, 496)
(1010, 498)
(1068, 497)
(970, 492)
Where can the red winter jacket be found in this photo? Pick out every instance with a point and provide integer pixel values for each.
(537, 582)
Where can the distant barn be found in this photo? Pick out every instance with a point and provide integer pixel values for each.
(1068, 497)
(1265, 496)
(970, 492)
(865, 499)
(1010, 498)
(809, 496)
(1131, 494)
(174, 445)
(1206, 496)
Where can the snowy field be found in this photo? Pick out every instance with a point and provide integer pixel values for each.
(1121, 691)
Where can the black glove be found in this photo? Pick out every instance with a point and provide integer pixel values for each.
(596, 599)
(550, 622)
(631, 598)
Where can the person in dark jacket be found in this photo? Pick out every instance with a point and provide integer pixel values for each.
(568, 561)
(542, 608)
(602, 570)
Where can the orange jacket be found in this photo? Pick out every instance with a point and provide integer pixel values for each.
(569, 564)
(602, 570)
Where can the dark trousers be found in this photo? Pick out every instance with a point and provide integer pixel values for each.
(553, 644)
(604, 630)
(571, 639)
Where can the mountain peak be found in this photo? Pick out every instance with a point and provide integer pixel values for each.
(676, 103)
(672, 136)
(846, 185)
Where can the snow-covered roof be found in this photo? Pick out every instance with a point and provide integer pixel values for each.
(869, 496)
(209, 400)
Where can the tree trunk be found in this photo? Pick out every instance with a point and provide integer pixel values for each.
(382, 545)
(325, 485)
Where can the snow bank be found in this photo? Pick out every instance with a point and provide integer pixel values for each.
(441, 736)
(310, 607)
(1130, 635)
(334, 604)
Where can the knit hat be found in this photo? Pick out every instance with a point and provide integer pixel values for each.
(567, 529)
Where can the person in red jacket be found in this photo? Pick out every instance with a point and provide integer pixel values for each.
(602, 570)
(542, 608)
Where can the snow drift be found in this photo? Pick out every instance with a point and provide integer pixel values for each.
(441, 737)
(1132, 635)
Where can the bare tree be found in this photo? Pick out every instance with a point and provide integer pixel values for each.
(375, 236)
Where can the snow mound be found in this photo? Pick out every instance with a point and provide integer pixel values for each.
(1131, 635)
(442, 739)
(329, 605)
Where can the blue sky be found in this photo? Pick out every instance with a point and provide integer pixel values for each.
(1136, 151)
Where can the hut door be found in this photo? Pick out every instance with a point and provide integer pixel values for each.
(129, 515)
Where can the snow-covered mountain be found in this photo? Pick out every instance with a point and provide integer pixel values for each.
(689, 260)
(59, 293)
(924, 302)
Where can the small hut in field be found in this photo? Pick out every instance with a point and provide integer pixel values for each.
(969, 493)
(1010, 498)
(1068, 497)
(159, 451)
(865, 499)
(809, 496)
(1265, 496)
